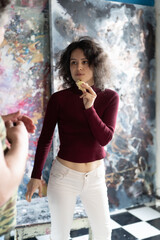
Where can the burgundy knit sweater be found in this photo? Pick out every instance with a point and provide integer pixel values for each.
(83, 132)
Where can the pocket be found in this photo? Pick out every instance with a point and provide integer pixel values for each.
(57, 173)
(101, 172)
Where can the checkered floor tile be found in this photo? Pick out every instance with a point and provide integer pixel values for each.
(139, 223)
(142, 223)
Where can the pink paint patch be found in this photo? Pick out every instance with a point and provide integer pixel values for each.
(1, 70)
(21, 104)
(48, 231)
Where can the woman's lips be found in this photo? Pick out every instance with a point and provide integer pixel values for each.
(79, 74)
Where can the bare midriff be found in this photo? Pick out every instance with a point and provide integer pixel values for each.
(81, 167)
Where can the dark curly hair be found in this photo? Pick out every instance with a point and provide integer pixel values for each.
(4, 3)
(4, 6)
(96, 56)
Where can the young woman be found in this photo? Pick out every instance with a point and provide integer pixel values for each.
(86, 121)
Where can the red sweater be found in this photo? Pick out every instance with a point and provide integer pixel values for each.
(83, 132)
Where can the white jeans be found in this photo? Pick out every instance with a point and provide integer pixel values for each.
(64, 186)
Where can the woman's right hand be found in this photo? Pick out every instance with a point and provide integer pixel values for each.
(32, 186)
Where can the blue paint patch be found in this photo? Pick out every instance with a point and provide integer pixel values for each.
(140, 2)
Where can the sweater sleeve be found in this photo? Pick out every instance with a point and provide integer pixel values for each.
(103, 129)
(46, 136)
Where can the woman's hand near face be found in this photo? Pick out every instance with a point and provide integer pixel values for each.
(32, 186)
(88, 96)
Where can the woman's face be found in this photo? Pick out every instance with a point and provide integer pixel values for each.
(79, 67)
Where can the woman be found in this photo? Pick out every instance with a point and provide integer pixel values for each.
(86, 122)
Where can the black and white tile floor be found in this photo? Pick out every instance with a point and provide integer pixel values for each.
(142, 223)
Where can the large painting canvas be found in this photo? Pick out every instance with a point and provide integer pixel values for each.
(25, 69)
(127, 33)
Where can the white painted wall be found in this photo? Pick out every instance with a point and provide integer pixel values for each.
(157, 7)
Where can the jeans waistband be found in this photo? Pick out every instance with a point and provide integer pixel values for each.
(93, 172)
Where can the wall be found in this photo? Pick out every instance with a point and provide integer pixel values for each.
(127, 33)
(141, 2)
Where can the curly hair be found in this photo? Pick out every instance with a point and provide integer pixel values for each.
(4, 3)
(4, 6)
(96, 56)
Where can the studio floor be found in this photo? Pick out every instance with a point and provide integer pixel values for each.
(142, 223)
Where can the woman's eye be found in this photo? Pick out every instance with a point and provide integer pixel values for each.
(73, 63)
(85, 62)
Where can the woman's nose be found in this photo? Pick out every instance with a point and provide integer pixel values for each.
(79, 66)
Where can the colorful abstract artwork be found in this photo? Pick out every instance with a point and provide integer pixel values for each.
(127, 34)
(25, 68)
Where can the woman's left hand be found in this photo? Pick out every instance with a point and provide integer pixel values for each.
(88, 96)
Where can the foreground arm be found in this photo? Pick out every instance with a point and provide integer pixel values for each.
(17, 116)
(12, 165)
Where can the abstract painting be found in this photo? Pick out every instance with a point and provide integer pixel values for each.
(25, 69)
(127, 34)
